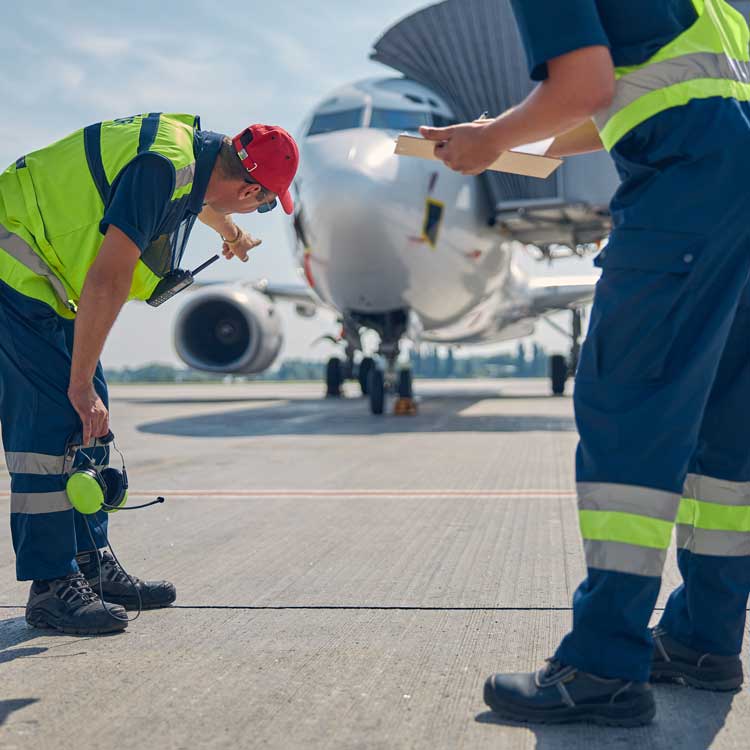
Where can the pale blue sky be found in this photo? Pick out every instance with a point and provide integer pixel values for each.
(64, 64)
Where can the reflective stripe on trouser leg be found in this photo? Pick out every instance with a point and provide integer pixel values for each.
(626, 532)
(708, 611)
(626, 529)
(40, 511)
(714, 517)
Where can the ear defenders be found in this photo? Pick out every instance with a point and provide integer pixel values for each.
(90, 490)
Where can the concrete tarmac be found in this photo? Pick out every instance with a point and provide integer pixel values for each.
(344, 580)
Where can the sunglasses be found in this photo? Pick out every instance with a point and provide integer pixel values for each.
(264, 208)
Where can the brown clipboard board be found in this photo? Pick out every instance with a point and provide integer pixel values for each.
(514, 162)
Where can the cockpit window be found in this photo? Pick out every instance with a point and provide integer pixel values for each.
(399, 119)
(441, 121)
(331, 121)
(408, 120)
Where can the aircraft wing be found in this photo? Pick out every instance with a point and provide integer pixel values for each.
(301, 296)
(295, 293)
(305, 301)
(561, 292)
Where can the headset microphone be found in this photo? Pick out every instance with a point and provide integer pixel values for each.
(138, 507)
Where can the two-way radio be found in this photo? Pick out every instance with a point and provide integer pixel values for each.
(175, 282)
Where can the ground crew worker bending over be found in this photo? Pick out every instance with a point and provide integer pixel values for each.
(87, 223)
(662, 395)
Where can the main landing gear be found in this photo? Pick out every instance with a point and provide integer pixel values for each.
(381, 383)
(377, 379)
(366, 367)
(334, 378)
(560, 368)
(338, 372)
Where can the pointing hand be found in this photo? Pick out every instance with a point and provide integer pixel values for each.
(239, 248)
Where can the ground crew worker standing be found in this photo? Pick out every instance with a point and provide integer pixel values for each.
(662, 395)
(93, 220)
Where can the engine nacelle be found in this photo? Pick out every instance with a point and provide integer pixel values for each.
(228, 329)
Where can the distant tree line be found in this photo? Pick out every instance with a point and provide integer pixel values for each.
(528, 361)
(159, 373)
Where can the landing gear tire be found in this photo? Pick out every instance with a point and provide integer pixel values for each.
(376, 390)
(558, 372)
(365, 368)
(405, 406)
(334, 378)
(405, 388)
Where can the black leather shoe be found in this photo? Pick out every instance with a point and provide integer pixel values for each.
(673, 662)
(118, 588)
(70, 606)
(558, 694)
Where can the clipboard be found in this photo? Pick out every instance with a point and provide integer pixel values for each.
(514, 162)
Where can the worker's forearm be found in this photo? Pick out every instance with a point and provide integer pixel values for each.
(101, 300)
(221, 223)
(547, 112)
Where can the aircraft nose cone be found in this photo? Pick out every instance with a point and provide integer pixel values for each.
(360, 202)
(356, 240)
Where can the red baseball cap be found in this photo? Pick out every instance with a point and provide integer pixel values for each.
(271, 157)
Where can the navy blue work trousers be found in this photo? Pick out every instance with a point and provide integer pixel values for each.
(37, 421)
(662, 397)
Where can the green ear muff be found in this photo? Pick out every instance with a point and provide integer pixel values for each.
(90, 491)
(86, 491)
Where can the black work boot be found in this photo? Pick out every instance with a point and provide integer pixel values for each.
(69, 605)
(558, 694)
(673, 662)
(118, 589)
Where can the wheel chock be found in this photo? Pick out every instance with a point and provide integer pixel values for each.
(405, 407)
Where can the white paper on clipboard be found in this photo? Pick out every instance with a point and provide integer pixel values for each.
(528, 164)
(538, 148)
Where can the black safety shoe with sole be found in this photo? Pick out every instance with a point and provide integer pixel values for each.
(673, 662)
(71, 606)
(118, 588)
(559, 694)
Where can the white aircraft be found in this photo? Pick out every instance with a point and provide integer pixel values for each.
(403, 247)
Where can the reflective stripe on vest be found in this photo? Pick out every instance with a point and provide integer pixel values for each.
(25, 254)
(710, 59)
(184, 177)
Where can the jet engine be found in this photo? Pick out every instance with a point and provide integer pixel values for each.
(228, 329)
